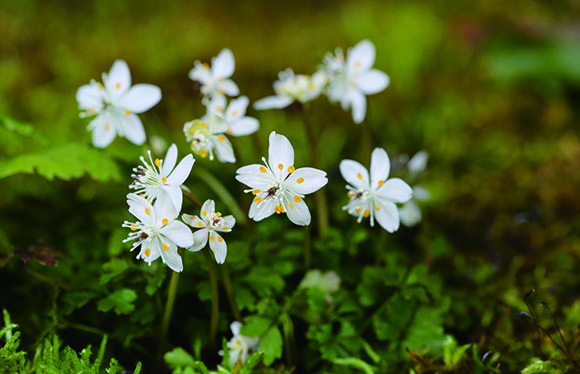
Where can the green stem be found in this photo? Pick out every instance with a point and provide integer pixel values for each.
(168, 312)
(230, 292)
(214, 297)
(307, 250)
(187, 193)
(223, 193)
(320, 195)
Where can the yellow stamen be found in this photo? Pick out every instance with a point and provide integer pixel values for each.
(205, 66)
(280, 166)
(291, 169)
(218, 214)
(366, 213)
(220, 91)
(204, 213)
(219, 109)
(257, 200)
(118, 85)
(229, 132)
(357, 64)
(165, 221)
(226, 228)
(291, 206)
(157, 162)
(147, 252)
(203, 153)
(357, 210)
(359, 176)
(262, 169)
(211, 238)
(352, 84)
(311, 86)
(147, 211)
(163, 179)
(297, 199)
(220, 239)
(299, 180)
(350, 194)
(202, 125)
(107, 127)
(255, 192)
(199, 224)
(221, 138)
(127, 112)
(165, 247)
(381, 183)
(134, 228)
(91, 110)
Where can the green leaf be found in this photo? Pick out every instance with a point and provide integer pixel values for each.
(113, 268)
(178, 358)
(121, 300)
(255, 326)
(355, 363)
(263, 281)
(271, 345)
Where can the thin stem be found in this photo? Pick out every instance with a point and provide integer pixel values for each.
(537, 326)
(307, 249)
(557, 327)
(320, 195)
(214, 297)
(191, 196)
(230, 292)
(168, 312)
(223, 193)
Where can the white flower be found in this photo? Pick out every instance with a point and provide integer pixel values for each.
(290, 87)
(278, 186)
(237, 122)
(214, 80)
(115, 105)
(375, 196)
(410, 213)
(209, 224)
(208, 135)
(158, 233)
(159, 177)
(352, 78)
(240, 346)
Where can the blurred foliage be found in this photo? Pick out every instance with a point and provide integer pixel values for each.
(489, 89)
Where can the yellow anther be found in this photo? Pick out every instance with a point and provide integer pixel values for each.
(357, 210)
(257, 200)
(291, 169)
(199, 224)
(118, 85)
(127, 112)
(142, 194)
(311, 86)
(350, 194)
(219, 109)
(377, 207)
(255, 192)
(359, 176)
(203, 153)
(165, 247)
(381, 183)
(280, 166)
(262, 169)
(205, 65)
(291, 206)
(204, 213)
(147, 252)
(211, 238)
(157, 162)
(202, 125)
(165, 221)
(366, 213)
(276, 209)
(220, 91)
(91, 110)
(100, 86)
(218, 214)
(229, 132)
(134, 228)
(107, 127)
(220, 239)
(352, 84)
(163, 179)
(357, 64)
(299, 180)
(147, 211)
(226, 228)
(221, 138)
(297, 199)
(234, 113)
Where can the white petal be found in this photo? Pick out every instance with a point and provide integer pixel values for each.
(297, 212)
(173, 194)
(307, 180)
(252, 176)
(387, 216)
(207, 208)
(244, 126)
(229, 222)
(264, 209)
(235, 327)
(178, 233)
(132, 128)
(181, 172)
(237, 108)
(169, 161)
(361, 57)
(380, 167)
(272, 102)
(193, 221)
(217, 105)
(218, 246)
(372, 81)
(280, 155)
(90, 97)
(199, 240)
(420, 193)
(164, 209)
(229, 87)
(418, 162)
(140, 97)
(171, 258)
(355, 174)
(395, 190)
(224, 64)
(410, 214)
(153, 252)
(223, 149)
(103, 130)
(358, 103)
(140, 208)
(119, 79)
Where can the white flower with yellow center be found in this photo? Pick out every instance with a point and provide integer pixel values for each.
(234, 115)
(352, 78)
(208, 135)
(240, 346)
(157, 232)
(290, 87)
(214, 80)
(374, 197)
(278, 186)
(115, 104)
(159, 178)
(209, 225)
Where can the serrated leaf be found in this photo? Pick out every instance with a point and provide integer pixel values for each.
(271, 345)
(255, 326)
(121, 300)
(263, 281)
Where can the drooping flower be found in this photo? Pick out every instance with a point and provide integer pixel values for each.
(214, 80)
(115, 104)
(352, 78)
(157, 231)
(278, 186)
(410, 213)
(208, 226)
(290, 87)
(374, 197)
(240, 346)
(208, 135)
(238, 124)
(160, 178)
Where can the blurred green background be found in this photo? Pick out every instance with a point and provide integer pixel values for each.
(490, 89)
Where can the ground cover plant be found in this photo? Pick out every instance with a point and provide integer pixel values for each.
(299, 187)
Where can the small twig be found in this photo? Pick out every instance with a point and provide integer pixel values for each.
(230, 293)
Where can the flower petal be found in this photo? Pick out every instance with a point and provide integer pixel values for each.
(193, 221)
(207, 209)
(358, 102)
(418, 162)
(387, 216)
(228, 223)
(132, 128)
(169, 161)
(372, 81)
(395, 190)
(244, 126)
(410, 214)
(178, 233)
(361, 57)
(307, 180)
(218, 246)
(272, 102)
(199, 240)
(237, 108)
(223, 65)
(170, 257)
(380, 167)
(224, 149)
(280, 155)
(354, 174)
(119, 79)
(140, 97)
(217, 105)
(103, 130)
(252, 176)
(297, 212)
(153, 252)
(173, 194)
(264, 209)
(235, 327)
(164, 209)
(181, 172)
(140, 208)
(90, 97)
(229, 87)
